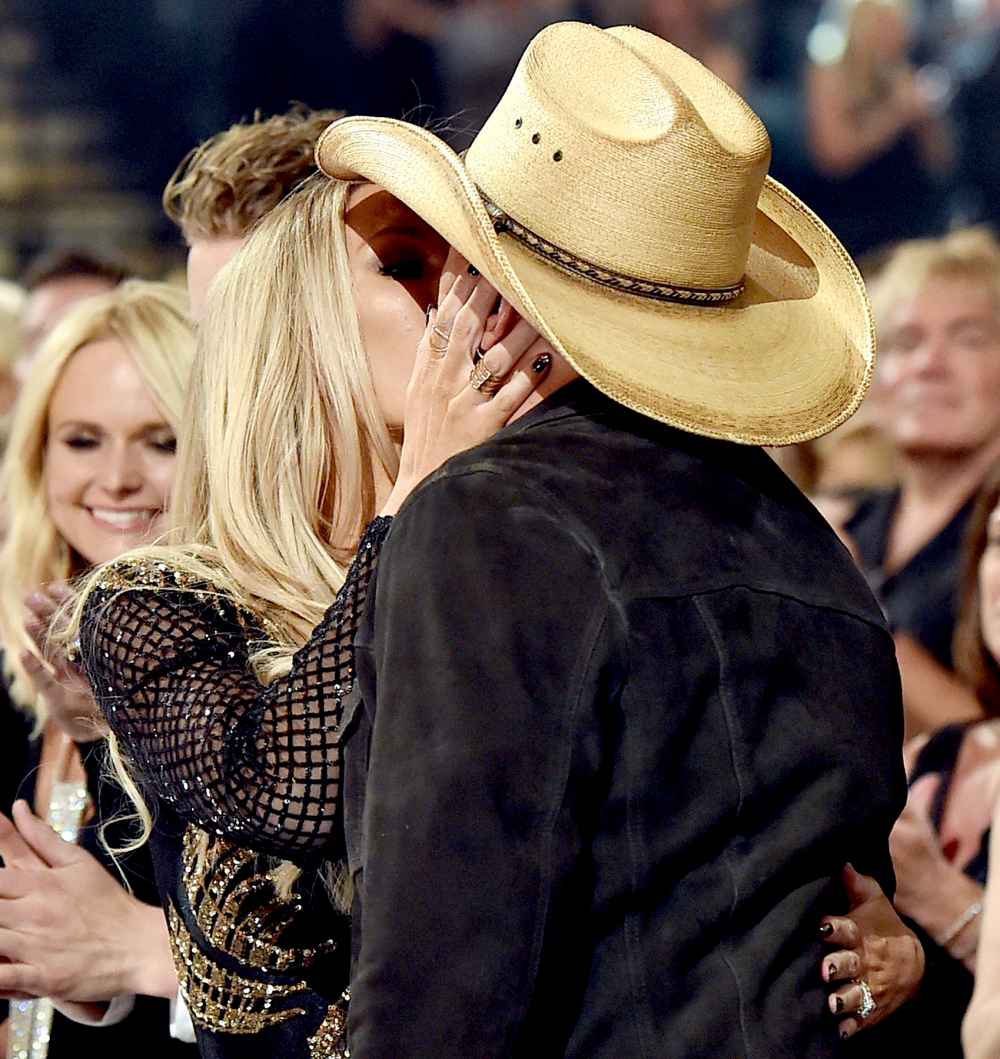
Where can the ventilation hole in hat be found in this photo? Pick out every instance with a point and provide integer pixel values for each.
(518, 123)
(537, 138)
(557, 157)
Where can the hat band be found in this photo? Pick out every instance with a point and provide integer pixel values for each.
(620, 281)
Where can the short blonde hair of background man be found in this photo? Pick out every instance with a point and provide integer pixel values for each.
(223, 187)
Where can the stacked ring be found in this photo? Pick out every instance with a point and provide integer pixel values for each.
(483, 381)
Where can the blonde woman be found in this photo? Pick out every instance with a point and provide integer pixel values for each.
(875, 125)
(86, 475)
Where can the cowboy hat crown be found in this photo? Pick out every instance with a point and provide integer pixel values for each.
(626, 126)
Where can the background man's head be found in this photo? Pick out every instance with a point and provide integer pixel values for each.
(937, 307)
(55, 282)
(224, 186)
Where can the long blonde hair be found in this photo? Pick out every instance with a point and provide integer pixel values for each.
(150, 320)
(282, 437)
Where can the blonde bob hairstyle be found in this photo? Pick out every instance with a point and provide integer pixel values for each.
(150, 320)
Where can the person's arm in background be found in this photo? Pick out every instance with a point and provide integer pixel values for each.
(841, 140)
(492, 632)
(932, 695)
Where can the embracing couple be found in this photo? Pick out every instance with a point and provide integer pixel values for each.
(602, 708)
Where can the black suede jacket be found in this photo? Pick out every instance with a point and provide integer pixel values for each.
(624, 709)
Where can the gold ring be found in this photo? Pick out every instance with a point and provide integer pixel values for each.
(442, 334)
(483, 381)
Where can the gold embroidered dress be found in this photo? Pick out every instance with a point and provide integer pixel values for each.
(242, 774)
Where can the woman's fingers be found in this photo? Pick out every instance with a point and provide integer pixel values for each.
(14, 851)
(40, 604)
(42, 839)
(531, 370)
(847, 1000)
(460, 322)
(844, 932)
(841, 966)
(848, 1028)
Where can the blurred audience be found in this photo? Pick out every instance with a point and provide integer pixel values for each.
(225, 185)
(937, 398)
(477, 43)
(11, 307)
(876, 125)
(940, 845)
(975, 65)
(55, 282)
(707, 29)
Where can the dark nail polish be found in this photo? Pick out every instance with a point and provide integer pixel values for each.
(473, 271)
(831, 971)
(826, 930)
(838, 1004)
(543, 363)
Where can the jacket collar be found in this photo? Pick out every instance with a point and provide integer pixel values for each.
(578, 397)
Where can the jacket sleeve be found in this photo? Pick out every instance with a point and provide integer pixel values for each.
(490, 640)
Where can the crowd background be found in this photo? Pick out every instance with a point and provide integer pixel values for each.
(883, 116)
(98, 100)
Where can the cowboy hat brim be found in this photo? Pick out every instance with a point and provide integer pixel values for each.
(787, 361)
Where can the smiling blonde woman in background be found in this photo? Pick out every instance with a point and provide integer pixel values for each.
(87, 474)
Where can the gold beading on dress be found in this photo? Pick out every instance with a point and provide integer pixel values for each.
(219, 999)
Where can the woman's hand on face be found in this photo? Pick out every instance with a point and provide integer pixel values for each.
(67, 929)
(445, 413)
(870, 944)
(66, 691)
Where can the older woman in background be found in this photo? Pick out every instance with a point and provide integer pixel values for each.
(937, 308)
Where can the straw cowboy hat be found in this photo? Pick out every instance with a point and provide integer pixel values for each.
(618, 197)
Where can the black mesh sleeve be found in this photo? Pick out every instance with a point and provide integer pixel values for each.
(168, 662)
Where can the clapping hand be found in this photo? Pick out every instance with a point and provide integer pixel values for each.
(64, 688)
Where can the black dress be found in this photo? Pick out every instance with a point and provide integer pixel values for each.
(920, 598)
(146, 1030)
(262, 974)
